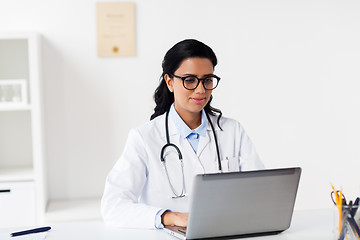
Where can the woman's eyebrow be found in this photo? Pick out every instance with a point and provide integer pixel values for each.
(189, 74)
(194, 75)
(208, 75)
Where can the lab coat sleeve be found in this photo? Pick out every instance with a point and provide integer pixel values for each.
(249, 159)
(119, 205)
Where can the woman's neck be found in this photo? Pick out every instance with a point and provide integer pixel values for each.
(193, 120)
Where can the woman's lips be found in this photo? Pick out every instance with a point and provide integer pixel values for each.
(198, 100)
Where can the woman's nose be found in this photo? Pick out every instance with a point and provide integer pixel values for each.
(200, 88)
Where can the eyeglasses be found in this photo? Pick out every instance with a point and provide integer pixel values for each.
(191, 82)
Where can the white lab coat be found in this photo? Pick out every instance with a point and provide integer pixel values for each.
(137, 186)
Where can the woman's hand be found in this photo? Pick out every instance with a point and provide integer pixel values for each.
(174, 218)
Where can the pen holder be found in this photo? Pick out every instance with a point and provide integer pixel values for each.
(346, 223)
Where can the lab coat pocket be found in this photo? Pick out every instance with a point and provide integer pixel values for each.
(230, 164)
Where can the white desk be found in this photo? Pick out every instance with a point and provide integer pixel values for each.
(317, 225)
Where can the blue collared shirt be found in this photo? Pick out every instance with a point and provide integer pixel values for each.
(192, 135)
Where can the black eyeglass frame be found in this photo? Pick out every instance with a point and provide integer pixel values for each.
(199, 79)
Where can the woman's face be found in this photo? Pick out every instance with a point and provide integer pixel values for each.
(190, 101)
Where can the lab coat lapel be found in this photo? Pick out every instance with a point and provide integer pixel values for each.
(188, 153)
(175, 137)
(182, 143)
(207, 154)
(203, 142)
(172, 129)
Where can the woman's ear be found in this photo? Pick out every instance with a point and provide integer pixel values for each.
(169, 82)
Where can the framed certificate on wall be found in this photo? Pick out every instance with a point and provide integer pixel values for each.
(115, 29)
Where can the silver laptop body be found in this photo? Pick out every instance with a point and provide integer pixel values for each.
(241, 204)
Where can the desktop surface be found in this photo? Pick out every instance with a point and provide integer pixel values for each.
(306, 224)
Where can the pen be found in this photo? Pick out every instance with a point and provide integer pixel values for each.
(35, 230)
(338, 202)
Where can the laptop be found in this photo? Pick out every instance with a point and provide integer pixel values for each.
(240, 204)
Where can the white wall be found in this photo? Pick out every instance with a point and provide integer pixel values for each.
(290, 73)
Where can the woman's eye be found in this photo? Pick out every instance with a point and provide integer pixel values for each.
(190, 80)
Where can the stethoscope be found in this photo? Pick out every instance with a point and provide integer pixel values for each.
(168, 144)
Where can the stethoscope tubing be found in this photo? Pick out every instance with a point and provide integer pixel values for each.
(168, 144)
(216, 142)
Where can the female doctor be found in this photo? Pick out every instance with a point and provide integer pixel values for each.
(150, 185)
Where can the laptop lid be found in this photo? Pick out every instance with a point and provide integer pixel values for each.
(242, 203)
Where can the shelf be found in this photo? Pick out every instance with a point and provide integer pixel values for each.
(73, 210)
(21, 126)
(16, 174)
(15, 107)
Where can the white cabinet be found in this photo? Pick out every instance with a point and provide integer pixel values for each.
(17, 203)
(22, 183)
